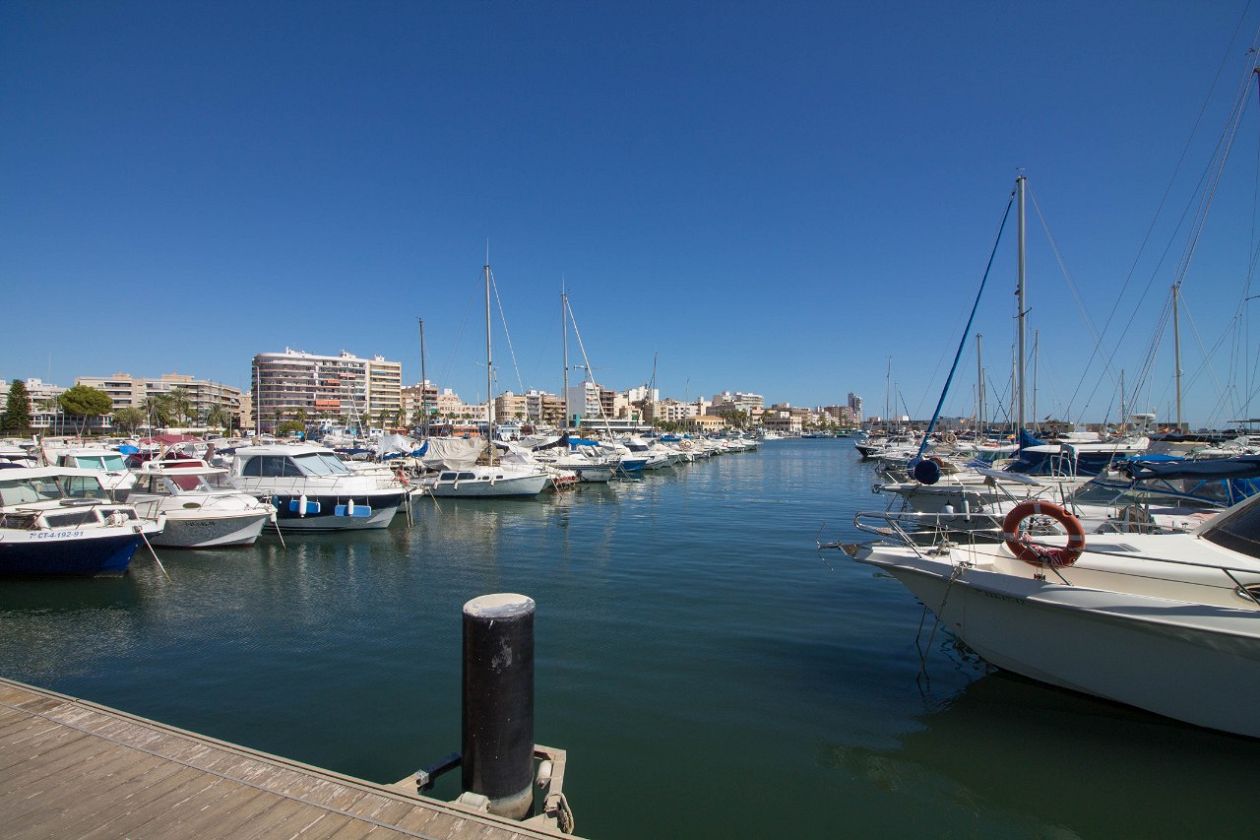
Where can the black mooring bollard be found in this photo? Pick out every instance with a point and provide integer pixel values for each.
(498, 737)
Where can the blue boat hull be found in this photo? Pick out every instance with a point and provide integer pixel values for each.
(108, 555)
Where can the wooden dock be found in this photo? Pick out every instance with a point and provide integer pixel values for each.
(74, 769)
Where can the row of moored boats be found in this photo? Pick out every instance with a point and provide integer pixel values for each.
(69, 508)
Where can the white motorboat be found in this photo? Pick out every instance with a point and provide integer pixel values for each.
(62, 521)
(488, 480)
(312, 490)
(198, 513)
(110, 464)
(1169, 623)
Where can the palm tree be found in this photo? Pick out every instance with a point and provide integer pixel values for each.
(217, 417)
(157, 408)
(181, 406)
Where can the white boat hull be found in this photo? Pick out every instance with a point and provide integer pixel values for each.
(212, 532)
(1201, 666)
(530, 485)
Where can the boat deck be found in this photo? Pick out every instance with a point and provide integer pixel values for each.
(70, 768)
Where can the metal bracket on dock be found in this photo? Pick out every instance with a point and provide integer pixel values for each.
(426, 777)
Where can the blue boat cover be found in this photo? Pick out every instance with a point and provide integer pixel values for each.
(1241, 466)
(1026, 438)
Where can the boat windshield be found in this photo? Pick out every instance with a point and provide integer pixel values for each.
(25, 491)
(1240, 531)
(320, 463)
(109, 463)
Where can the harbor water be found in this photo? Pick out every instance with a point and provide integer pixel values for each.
(710, 671)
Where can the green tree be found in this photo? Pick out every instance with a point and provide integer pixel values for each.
(17, 410)
(218, 417)
(157, 410)
(128, 419)
(181, 406)
(288, 426)
(85, 403)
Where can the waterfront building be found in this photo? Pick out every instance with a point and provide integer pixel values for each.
(201, 396)
(419, 397)
(706, 423)
(509, 407)
(345, 388)
(841, 415)
(673, 411)
(448, 403)
(855, 407)
(727, 402)
(784, 422)
(245, 414)
(44, 410)
(589, 400)
(384, 392)
(544, 408)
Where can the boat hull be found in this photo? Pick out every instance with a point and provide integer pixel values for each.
(530, 485)
(73, 552)
(1195, 665)
(211, 532)
(597, 474)
(321, 512)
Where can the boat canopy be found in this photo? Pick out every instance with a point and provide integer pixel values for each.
(1148, 467)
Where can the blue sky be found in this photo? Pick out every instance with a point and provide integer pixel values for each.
(766, 199)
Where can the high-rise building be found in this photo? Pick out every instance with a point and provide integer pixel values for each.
(344, 388)
(589, 402)
(855, 406)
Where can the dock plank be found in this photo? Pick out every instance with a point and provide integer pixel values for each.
(73, 769)
(113, 798)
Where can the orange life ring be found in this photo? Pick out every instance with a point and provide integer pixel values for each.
(1043, 555)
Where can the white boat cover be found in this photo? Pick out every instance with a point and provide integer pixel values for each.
(452, 453)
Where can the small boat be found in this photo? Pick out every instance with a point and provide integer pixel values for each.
(61, 521)
(1169, 623)
(198, 514)
(488, 480)
(109, 463)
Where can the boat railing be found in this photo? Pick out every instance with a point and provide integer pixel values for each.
(939, 532)
(328, 485)
(932, 531)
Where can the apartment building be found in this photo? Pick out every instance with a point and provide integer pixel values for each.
(344, 387)
(201, 396)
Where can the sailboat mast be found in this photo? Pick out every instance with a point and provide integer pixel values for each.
(979, 384)
(1177, 350)
(1124, 409)
(888, 397)
(1020, 303)
(564, 334)
(1036, 347)
(489, 368)
(424, 383)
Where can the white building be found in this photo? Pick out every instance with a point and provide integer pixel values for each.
(344, 387)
